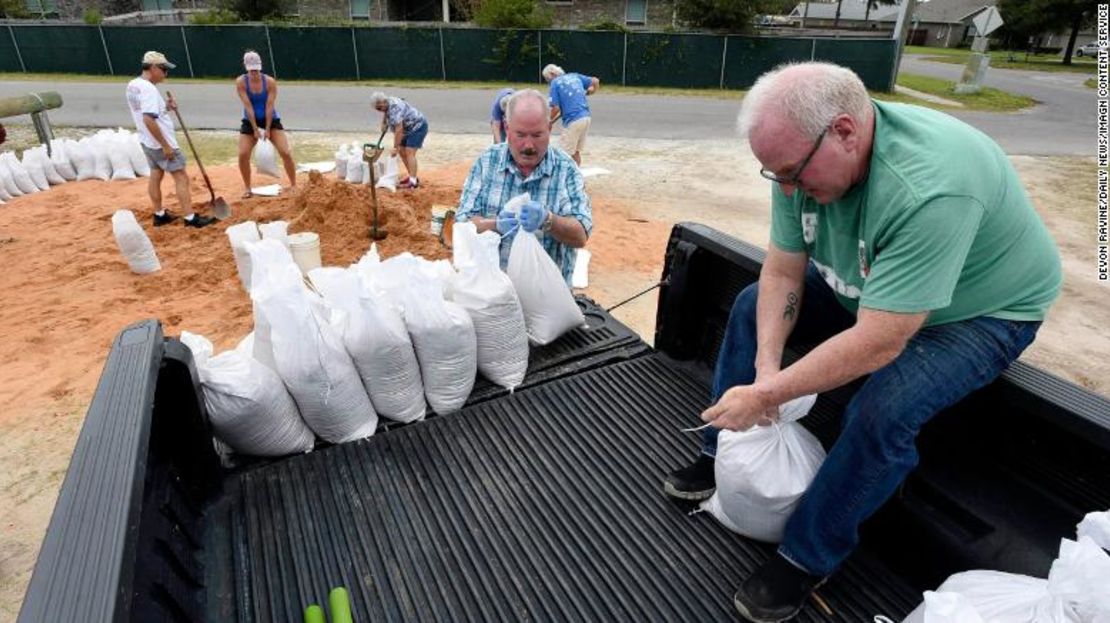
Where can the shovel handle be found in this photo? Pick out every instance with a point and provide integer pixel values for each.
(193, 149)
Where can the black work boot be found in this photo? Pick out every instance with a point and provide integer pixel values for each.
(775, 592)
(694, 482)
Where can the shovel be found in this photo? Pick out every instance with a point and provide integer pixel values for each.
(370, 154)
(217, 205)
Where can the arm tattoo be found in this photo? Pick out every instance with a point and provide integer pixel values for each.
(791, 306)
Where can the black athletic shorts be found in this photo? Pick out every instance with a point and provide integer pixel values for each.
(249, 131)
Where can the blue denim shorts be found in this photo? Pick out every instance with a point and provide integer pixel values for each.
(415, 137)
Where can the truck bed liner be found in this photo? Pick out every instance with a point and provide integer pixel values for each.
(507, 511)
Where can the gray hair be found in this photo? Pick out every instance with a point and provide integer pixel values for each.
(552, 71)
(807, 95)
(525, 94)
(376, 97)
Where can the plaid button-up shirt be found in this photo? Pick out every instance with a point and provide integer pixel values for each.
(555, 183)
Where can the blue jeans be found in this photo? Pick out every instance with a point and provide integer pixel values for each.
(875, 451)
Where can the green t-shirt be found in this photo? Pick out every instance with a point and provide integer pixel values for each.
(941, 224)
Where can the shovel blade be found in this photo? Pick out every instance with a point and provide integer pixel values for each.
(220, 209)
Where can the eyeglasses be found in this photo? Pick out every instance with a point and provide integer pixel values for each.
(793, 178)
(164, 68)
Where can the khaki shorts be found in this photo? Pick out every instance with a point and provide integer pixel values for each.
(573, 137)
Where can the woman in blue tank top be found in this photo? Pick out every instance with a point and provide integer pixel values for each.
(258, 92)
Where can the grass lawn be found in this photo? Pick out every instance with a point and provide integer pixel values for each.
(987, 99)
(1006, 59)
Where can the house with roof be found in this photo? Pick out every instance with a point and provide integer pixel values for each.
(936, 23)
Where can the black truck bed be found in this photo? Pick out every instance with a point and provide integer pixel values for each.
(545, 505)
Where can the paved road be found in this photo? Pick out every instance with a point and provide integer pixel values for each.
(1064, 124)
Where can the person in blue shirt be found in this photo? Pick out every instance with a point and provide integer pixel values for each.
(497, 114)
(409, 127)
(258, 92)
(559, 212)
(568, 99)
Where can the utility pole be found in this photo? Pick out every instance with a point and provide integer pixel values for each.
(901, 29)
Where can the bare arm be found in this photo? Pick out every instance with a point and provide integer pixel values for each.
(271, 97)
(568, 230)
(781, 285)
(595, 84)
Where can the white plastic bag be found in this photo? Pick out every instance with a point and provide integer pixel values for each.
(139, 164)
(392, 174)
(488, 295)
(549, 307)
(277, 230)
(265, 158)
(1096, 526)
(34, 169)
(248, 405)
(341, 157)
(20, 175)
(48, 169)
(446, 347)
(134, 244)
(102, 159)
(762, 472)
(239, 235)
(378, 342)
(119, 154)
(60, 159)
(354, 169)
(309, 356)
(10, 188)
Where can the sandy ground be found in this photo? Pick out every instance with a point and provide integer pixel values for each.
(67, 291)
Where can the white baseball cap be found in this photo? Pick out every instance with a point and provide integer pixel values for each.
(252, 61)
(157, 58)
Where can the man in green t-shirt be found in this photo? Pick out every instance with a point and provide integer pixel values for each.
(903, 247)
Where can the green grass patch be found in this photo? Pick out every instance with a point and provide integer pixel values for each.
(1007, 59)
(1090, 83)
(988, 99)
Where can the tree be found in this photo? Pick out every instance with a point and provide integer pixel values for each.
(1029, 18)
(874, 4)
(733, 15)
(512, 14)
(256, 10)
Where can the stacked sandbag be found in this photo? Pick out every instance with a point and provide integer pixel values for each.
(59, 157)
(376, 338)
(342, 156)
(761, 473)
(81, 156)
(306, 352)
(20, 177)
(248, 405)
(276, 230)
(488, 295)
(443, 336)
(134, 244)
(117, 146)
(239, 235)
(549, 307)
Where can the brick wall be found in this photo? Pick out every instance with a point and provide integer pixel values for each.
(582, 12)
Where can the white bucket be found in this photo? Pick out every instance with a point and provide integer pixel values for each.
(305, 247)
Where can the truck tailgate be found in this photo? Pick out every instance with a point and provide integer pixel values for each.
(542, 505)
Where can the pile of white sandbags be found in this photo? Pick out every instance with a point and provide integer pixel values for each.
(351, 168)
(105, 155)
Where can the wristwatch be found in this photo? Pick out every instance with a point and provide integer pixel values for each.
(548, 222)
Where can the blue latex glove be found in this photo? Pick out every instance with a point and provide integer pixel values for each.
(506, 221)
(532, 215)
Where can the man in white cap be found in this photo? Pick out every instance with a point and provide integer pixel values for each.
(150, 112)
(568, 98)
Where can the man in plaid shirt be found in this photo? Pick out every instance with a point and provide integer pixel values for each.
(559, 212)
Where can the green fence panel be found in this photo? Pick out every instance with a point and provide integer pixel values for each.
(62, 49)
(217, 51)
(684, 61)
(127, 44)
(491, 55)
(313, 53)
(871, 59)
(398, 53)
(598, 54)
(9, 60)
(750, 57)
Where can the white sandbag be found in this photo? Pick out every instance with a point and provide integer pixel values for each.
(40, 155)
(276, 230)
(263, 259)
(7, 182)
(247, 403)
(549, 307)
(59, 157)
(761, 473)
(33, 166)
(100, 149)
(446, 346)
(81, 154)
(120, 156)
(1096, 526)
(488, 295)
(354, 169)
(134, 244)
(365, 172)
(239, 235)
(265, 158)
(341, 157)
(310, 357)
(139, 164)
(391, 175)
(20, 175)
(378, 342)
(1076, 591)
